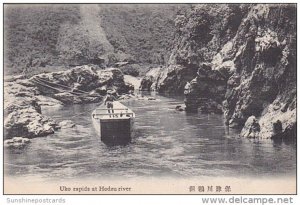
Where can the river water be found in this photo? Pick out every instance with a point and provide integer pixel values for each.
(167, 143)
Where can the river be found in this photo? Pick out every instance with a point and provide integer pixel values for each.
(167, 143)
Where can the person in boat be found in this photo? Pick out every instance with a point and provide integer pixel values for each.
(109, 102)
(187, 88)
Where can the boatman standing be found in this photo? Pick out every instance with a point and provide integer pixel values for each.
(109, 102)
(187, 88)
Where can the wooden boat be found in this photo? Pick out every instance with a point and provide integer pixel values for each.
(114, 128)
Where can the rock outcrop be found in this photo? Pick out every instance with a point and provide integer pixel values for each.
(132, 81)
(22, 112)
(239, 60)
(251, 128)
(151, 80)
(82, 84)
(201, 32)
(264, 81)
(23, 98)
(207, 90)
(29, 123)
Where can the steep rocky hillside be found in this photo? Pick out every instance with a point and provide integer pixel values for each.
(144, 31)
(239, 59)
(85, 42)
(201, 31)
(31, 33)
(41, 37)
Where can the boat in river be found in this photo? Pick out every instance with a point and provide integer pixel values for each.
(114, 128)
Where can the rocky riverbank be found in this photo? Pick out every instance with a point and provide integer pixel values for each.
(241, 62)
(23, 98)
(235, 59)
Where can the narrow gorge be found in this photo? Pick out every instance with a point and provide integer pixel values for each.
(158, 98)
(238, 60)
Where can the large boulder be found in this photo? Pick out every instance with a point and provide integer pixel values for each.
(76, 81)
(22, 111)
(251, 128)
(280, 118)
(113, 79)
(174, 78)
(29, 123)
(17, 96)
(133, 81)
(207, 90)
(80, 84)
(171, 79)
(278, 121)
(130, 69)
(150, 81)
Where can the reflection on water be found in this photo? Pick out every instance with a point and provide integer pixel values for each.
(166, 143)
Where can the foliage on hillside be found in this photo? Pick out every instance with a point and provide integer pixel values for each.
(38, 37)
(145, 32)
(31, 34)
(85, 42)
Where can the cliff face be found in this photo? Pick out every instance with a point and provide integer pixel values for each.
(200, 32)
(264, 81)
(241, 59)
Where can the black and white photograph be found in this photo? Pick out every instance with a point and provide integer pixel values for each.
(149, 98)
